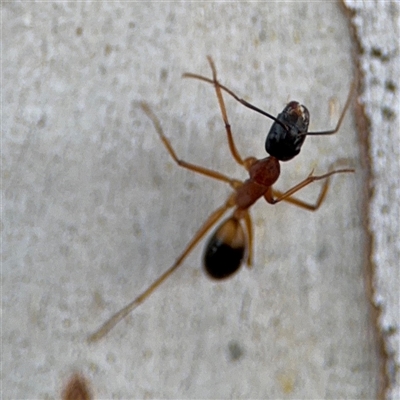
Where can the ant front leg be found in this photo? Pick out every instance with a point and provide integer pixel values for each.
(221, 102)
(274, 196)
(232, 146)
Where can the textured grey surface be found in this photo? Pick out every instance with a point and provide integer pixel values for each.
(95, 209)
(377, 29)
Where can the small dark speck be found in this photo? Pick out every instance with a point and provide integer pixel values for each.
(157, 180)
(262, 36)
(190, 186)
(65, 250)
(385, 209)
(235, 351)
(107, 49)
(391, 86)
(388, 113)
(375, 81)
(42, 121)
(329, 361)
(390, 330)
(131, 25)
(171, 17)
(102, 70)
(163, 74)
(322, 253)
(377, 53)
(79, 31)
(275, 322)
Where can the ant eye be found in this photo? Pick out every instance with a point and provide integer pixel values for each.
(285, 139)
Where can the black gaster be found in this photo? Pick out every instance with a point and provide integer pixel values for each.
(225, 249)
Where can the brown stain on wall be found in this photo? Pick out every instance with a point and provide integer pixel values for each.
(77, 388)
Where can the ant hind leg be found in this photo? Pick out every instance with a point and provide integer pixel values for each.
(121, 314)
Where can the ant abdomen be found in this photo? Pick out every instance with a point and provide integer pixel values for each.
(225, 249)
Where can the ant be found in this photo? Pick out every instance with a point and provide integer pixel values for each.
(232, 241)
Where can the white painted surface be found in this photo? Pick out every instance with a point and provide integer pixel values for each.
(95, 209)
(377, 26)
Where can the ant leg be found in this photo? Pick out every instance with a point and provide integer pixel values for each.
(249, 228)
(234, 183)
(287, 196)
(346, 106)
(211, 220)
(218, 87)
(303, 204)
(232, 146)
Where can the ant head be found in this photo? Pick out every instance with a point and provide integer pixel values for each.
(288, 132)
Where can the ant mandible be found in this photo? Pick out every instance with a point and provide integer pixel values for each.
(227, 246)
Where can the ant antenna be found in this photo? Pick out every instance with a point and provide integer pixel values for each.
(254, 108)
(240, 100)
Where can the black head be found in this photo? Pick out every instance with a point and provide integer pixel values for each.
(285, 138)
